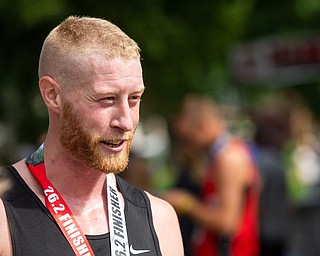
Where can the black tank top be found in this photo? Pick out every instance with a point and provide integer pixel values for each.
(35, 233)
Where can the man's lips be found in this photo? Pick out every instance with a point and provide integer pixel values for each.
(115, 145)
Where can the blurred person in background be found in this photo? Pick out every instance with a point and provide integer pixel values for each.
(226, 214)
(188, 167)
(272, 133)
(66, 198)
(302, 153)
(5, 183)
(137, 172)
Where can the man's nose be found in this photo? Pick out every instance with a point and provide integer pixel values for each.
(123, 117)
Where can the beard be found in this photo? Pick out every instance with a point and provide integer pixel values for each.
(85, 147)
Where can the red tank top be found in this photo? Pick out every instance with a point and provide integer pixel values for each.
(245, 240)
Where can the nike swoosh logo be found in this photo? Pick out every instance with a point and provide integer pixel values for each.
(135, 252)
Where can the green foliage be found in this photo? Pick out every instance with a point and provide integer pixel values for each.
(185, 47)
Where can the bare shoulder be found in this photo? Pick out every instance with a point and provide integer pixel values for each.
(236, 156)
(167, 227)
(237, 151)
(5, 242)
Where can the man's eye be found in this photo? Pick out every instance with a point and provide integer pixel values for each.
(108, 99)
(135, 98)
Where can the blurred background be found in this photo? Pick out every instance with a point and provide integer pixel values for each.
(260, 60)
(241, 52)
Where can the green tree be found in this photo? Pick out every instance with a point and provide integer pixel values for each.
(185, 48)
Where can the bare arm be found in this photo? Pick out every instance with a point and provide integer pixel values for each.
(167, 227)
(5, 241)
(231, 176)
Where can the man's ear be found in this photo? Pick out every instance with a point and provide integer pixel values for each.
(51, 93)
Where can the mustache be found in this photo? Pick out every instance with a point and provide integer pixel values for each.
(118, 137)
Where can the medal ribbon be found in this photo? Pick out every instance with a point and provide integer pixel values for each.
(61, 213)
(117, 221)
(65, 219)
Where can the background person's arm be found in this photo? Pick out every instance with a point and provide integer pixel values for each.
(232, 175)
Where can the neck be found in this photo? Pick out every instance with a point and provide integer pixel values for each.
(70, 176)
(83, 189)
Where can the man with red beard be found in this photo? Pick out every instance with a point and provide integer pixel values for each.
(65, 198)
